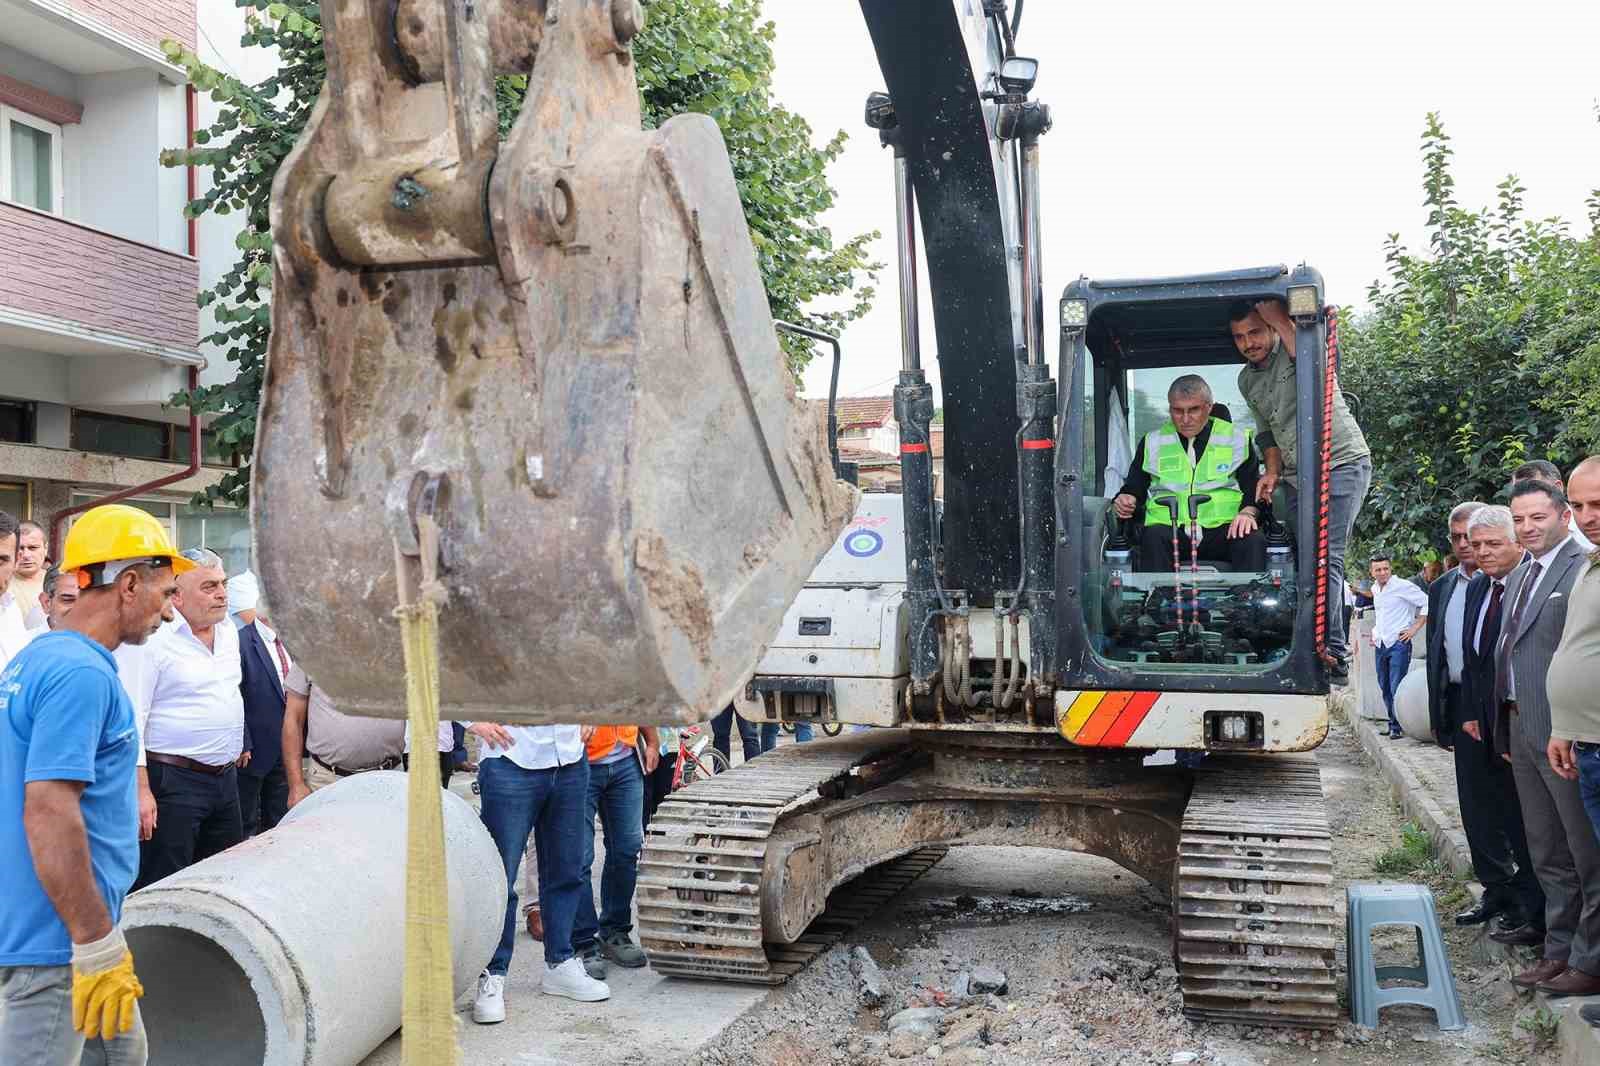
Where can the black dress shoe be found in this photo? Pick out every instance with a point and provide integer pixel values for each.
(1486, 909)
(1523, 936)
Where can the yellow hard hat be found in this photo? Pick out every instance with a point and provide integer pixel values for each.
(115, 532)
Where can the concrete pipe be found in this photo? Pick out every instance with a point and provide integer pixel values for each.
(1411, 705)
(290, 947)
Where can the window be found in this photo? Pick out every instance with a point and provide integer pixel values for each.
(15, 499)
(140, 438)
(30, 161)
(16, 422)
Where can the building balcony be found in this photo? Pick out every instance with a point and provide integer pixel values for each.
(97, 36)
(74, 290)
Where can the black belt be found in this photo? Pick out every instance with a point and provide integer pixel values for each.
(183, 762)
(388, 763)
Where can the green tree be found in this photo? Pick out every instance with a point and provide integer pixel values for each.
(707, 56)
(1474, 357)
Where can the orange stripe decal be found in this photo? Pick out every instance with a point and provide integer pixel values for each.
(1117, 736)
(1036, 445)
(912, 449)
(1103, 718)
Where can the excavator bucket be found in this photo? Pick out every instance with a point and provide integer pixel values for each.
(555, 349)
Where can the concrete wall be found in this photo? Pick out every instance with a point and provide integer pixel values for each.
(38, 73)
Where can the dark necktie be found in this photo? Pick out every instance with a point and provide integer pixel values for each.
(1508, 636)
(1491, 618)
(283, 657)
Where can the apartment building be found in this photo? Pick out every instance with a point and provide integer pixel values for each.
(98, 267)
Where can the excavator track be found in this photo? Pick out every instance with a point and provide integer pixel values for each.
(1254, 923)
(700, 874)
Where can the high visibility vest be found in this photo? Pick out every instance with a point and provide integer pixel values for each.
(1166, 460)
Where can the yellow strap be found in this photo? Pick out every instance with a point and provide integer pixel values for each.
(427, 1016)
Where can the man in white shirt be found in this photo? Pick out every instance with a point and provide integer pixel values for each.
(536, 779)
(27, 581)
(193, 726)
(1399, 610)
(13, 634)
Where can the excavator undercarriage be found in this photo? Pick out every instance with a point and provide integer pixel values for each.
(737, 867)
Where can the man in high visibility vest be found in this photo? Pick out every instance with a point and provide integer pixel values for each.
(1195, 453)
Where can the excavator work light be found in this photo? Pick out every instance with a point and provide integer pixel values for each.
(1303, 301)
(1018, 74)
(1074, 314)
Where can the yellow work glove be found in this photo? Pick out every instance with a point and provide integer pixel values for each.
(104, 987)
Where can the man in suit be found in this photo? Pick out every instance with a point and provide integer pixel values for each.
(263, 666)
(1447, 598)
(1490, 813)
(1566, 853)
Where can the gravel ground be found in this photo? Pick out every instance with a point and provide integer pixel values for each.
(1084, 948)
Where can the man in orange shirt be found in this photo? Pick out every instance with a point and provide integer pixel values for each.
(618, 764)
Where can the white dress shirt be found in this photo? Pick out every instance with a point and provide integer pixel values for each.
(539, 747)
(1526, 597)
(187, 697)
(1395, 605)
(1483, 612)
(1455, 619)
(13, 634)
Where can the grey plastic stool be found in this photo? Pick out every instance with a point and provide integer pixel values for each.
(1369, 906)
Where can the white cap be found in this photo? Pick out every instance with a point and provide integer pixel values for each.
(244, 592)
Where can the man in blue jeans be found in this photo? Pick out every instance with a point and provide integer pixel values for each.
(618, 764)
(536, 779)
(1400, 610)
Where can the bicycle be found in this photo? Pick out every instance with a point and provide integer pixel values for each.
(696, 760)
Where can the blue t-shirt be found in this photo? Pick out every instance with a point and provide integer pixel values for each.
(64, 716)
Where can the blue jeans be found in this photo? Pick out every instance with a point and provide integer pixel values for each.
(616, 793)
(548, 803)
(722, 735)
(770, 730)
(1347, 489)
(1393, 662)
(1587, 756)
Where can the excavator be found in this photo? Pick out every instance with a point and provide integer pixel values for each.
(544, 368)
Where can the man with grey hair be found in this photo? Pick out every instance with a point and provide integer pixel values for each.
(1447, 599)
(1490, 812)
(193, 727)
(1193, 453)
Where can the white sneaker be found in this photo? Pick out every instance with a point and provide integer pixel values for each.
(490, 1006)
(570, 979)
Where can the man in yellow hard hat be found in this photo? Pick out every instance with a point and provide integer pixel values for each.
(69, 817)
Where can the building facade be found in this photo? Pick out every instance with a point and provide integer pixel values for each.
(99, 269)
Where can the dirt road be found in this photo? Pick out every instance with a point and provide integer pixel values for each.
(1084, 951)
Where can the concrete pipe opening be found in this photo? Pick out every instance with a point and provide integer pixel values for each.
(289, 949)
(187, 975)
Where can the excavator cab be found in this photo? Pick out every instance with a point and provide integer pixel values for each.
(1139, 607)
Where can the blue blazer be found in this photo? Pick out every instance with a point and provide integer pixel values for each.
(262, 689)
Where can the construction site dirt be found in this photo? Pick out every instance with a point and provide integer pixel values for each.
(1017, 956)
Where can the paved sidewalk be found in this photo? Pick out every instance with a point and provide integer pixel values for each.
(1422, 776)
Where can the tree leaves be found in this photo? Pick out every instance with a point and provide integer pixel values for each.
(1471, 361)
(708, 56)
